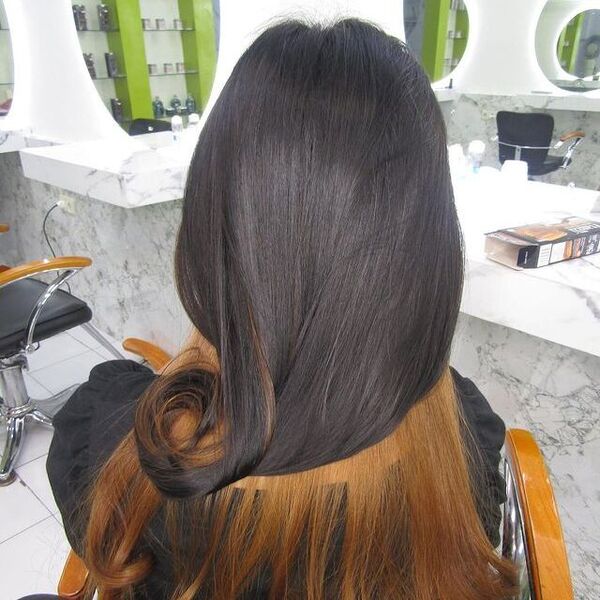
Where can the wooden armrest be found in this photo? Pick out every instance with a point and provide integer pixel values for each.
(4, 227)
(198, 351)
(36, 267)
(547, 556)
(73, 579)
(156, 357)
(572, 134)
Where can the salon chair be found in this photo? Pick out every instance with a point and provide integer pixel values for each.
(141, 126)
(528, 137)
(531, 533)
(32, 311)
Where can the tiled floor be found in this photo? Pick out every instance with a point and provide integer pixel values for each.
(33, 546)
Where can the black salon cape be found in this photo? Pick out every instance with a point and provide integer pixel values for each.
(99, 414)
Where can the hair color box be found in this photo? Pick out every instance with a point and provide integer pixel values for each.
(541, 244)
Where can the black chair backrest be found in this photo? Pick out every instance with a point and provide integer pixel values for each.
(524, 129)
(141, 126)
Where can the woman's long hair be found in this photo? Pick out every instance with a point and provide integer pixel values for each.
(319, 451)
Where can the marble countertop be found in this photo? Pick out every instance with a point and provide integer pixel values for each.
(559, 302)
(16, 138)
(137, 171)
(445, 94)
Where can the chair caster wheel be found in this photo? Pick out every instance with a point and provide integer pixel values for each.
(8, 480)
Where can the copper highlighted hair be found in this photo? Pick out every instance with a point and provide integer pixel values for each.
(317, 449)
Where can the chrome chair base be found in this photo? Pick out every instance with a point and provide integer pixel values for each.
(10, 479)
(17, 409)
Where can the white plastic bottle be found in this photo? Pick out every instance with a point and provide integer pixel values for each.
(475, 153)
(176, 127)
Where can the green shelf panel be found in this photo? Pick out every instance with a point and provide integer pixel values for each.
(199, 47)
(128, 46)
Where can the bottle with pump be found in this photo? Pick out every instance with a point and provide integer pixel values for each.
(175, 103)
(475, 154)
(158, 108)
(190, 104)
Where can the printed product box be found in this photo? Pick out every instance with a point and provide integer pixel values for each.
(541, 244)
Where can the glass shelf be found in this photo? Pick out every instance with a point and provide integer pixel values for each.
(168, 29)
(7, 83)
(171, 74)
(104, 77)
(96, 30)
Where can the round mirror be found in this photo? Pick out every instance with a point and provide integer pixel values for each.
(436, 32)
(6, 64)
(568, 46)
(149, 61)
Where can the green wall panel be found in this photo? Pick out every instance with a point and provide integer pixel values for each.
(199, 47)
(435, 34)
(128, 46)
(568, 43)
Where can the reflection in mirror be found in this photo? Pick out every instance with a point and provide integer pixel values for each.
(578, 46)
(568, 45)
(149, 59)
(436, 32)
(6, 64)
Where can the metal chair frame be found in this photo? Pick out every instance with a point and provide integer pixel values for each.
(16, 406)
(567, 157)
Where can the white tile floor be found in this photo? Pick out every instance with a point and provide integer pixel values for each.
(33, 546)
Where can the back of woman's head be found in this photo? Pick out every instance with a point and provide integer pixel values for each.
(319, 253)
(319, 249)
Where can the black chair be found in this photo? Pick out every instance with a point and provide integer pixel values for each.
(32, 311)
(528, 137)
(141, 126)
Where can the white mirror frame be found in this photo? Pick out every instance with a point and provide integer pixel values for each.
(554, 17)
(54, 98)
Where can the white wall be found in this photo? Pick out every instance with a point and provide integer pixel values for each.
(500, 55)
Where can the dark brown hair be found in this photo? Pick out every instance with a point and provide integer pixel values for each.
(319, 448)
